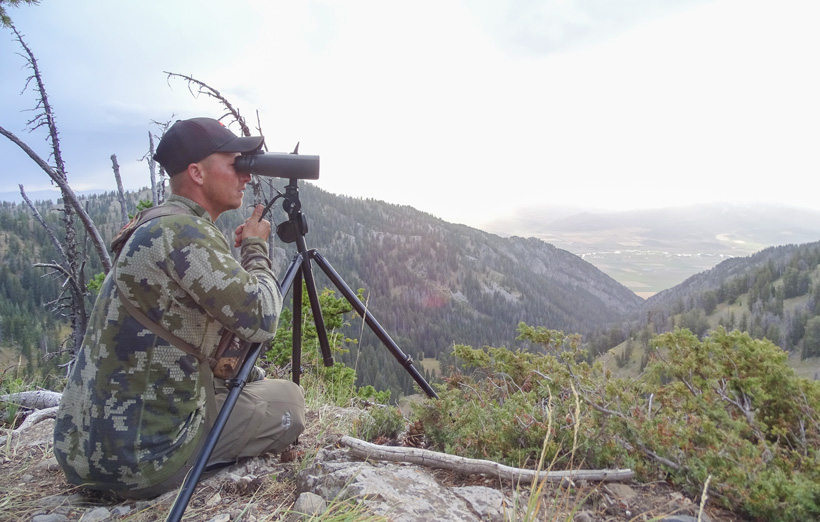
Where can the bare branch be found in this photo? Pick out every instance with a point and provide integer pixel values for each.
(465, 465)
(203, 88)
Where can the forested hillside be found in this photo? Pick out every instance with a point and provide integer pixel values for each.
(32, 317)
(433, 284)
(773, 294)
(429, 283)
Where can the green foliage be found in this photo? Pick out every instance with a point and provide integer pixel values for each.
(811, 339)
(334, 384)
(5, 19)
(380, 422)
(726, 406)
(95, 283)
(730, 407)
(8, 410)
(501, 410)
(141, 205)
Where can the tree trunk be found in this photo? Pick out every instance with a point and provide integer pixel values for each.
(120, 191)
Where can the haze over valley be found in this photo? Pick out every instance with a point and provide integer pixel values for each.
(652, 250)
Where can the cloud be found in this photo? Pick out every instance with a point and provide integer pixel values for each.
(538, 28)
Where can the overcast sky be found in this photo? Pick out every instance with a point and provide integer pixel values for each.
(464, 109)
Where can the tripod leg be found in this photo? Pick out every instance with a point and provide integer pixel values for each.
(318, 319)
(374, 325)
(192, 478)
(293, 279)
(296, 357)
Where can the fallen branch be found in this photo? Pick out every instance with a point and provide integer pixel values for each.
(31, 420)
(34, 400)
(434, 459)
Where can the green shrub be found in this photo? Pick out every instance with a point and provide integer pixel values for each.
(726, 407)
(334, 384)
(380, 422)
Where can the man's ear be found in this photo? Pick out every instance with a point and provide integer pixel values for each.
(195, 173)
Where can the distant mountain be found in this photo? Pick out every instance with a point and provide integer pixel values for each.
(653, 250)
(42, 195)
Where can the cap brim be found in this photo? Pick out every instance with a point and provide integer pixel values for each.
(242, 144)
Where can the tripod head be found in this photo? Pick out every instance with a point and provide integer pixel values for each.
(296, 226)
(281, 165)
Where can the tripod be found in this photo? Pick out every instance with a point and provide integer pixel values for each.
(292, 231)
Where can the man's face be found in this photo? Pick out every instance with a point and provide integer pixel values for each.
(223, 186)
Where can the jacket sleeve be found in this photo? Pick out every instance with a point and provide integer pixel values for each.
(244, 297)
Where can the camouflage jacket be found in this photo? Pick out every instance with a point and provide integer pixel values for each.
(134, 407)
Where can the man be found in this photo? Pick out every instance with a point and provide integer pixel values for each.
(136, 409)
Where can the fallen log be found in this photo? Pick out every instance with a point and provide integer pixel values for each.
(34, 399)
(434, 459)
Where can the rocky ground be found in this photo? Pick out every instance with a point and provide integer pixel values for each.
(32, 488)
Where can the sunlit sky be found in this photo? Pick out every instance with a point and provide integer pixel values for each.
(464, 109)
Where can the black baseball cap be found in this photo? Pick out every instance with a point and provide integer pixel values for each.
(190, 141)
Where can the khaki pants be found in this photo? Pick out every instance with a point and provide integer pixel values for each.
(268, 415)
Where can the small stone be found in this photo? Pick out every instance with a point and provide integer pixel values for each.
(621, 491)
(310, 504)
(49, 518)
(121, 511)
(223, 517)
(98, 514)
(215, 499)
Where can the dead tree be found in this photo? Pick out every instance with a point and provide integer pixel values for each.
(120, 192)
(72, 264)
(157, 178)
(196, 88)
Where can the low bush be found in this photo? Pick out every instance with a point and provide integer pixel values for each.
(726, 407)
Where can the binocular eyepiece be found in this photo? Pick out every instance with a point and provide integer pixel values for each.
(279, 165)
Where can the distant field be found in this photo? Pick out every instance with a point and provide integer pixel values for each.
(8, 357)
(648, 265)
(653, 250)
(649, 272)
(431, 365)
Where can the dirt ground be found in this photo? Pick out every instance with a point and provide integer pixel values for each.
(31, 483)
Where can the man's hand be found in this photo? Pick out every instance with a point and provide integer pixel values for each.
(254, 226)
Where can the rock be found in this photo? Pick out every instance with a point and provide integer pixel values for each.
(404, 493)
(49, 518)
(224, 517)
(39, 434)
(215, 499)
(121, 511)
(685, 518)
(98, 514)
(583, 516)
(620, 491)
(49, 464)
(484, 502)
(308, 504)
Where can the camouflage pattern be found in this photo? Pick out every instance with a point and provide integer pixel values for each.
(134, 406)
